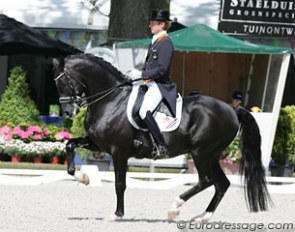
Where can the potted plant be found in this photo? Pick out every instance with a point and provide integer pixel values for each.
(16, 106)
(283, 153)
(32, 141)
(101, 159)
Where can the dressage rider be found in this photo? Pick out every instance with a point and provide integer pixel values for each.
(155, 74)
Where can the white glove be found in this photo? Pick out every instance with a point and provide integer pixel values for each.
(134, 74)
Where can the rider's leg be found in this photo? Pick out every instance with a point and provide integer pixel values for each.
(157, 135)
(151, 100)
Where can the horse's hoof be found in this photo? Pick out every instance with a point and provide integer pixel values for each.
(174, 210)
(85, 179)
(172, 214)
(113, 218)
(71, 172)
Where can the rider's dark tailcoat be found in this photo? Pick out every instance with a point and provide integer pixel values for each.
(157, 68)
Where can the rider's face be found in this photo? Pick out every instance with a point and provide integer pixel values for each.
(156, 26)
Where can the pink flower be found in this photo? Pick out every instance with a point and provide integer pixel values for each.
(4, 130)
(24, 134)
(37, 137)
(17, 129)
(67, 135)
(35, 129)
(63, 135)
(46, 133)
(227, 160)
(9, 136)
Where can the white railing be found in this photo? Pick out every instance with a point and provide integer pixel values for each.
(134, 179)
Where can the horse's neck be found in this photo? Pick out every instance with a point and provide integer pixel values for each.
(111, 95)
(98, 86)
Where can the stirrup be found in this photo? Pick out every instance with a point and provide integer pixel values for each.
(160, 152)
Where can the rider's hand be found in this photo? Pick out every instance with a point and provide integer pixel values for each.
(134, 74)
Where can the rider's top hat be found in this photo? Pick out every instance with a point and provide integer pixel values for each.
(160, 15)
(237, 95)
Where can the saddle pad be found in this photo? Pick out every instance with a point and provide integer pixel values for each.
(166, 123)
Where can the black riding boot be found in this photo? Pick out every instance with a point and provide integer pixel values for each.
(157, 135)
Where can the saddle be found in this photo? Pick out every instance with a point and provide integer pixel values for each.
(162, 114)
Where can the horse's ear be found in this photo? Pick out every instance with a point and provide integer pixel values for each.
(58, 64)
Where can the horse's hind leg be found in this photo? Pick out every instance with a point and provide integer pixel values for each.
(221, 184)
(204, 182)
(207, 177)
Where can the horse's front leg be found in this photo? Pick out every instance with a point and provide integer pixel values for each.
(72, 144)
(120, 167)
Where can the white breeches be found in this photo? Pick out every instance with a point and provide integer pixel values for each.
(151, 100)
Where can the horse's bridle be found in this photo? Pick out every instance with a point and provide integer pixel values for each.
(75, 99)
(80, 101)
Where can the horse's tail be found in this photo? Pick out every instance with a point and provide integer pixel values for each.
(251, 167)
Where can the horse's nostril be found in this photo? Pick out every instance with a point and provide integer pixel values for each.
(66, 114)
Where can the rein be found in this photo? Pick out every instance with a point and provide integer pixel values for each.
(103, 93)
(78, 100)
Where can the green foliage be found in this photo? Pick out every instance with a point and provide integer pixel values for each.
(233, 151)
(67, 123)
(77, 128)
(284, 142)
(16, 106)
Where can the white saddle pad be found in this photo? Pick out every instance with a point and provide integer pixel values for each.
(165, 122)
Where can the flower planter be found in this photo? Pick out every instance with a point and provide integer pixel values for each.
(32, 140)
(15, 159)
(54, 160)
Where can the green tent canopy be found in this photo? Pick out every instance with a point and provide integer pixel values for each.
(201, 38)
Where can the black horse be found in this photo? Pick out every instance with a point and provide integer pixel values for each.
(207, 127)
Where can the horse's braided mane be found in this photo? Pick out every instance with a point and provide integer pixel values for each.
(101, 62)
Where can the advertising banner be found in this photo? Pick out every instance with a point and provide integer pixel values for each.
(275, 18)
